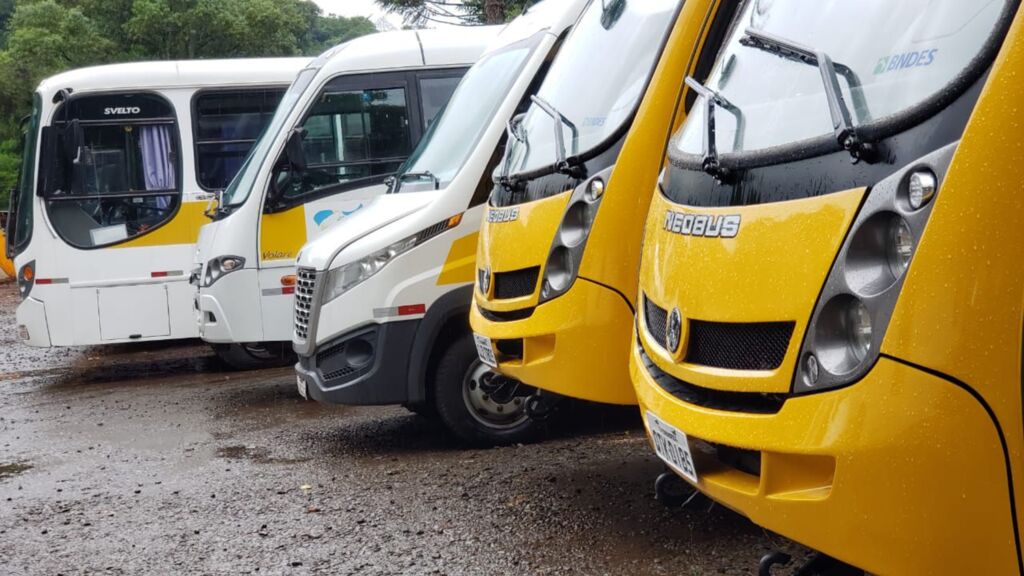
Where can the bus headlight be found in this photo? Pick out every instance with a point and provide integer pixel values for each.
(220, 267)
(563, 262)
(844, 337)
(347, 276)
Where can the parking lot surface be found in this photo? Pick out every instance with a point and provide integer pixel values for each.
(152, 459)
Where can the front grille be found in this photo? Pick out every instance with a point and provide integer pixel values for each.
(750, 402)
(348, 359)
(495, 316)
(755, 346)
(305, 283)
(656, 319)
(515, 284)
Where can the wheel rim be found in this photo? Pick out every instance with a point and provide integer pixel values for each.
(260, 351)
(483, 407)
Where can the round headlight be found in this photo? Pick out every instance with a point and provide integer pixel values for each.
(921, 188)
(901, 246)
(558, 273)
(575, 224)
(843, 335)
(595, 190)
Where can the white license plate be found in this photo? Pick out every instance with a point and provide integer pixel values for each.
(672, 446)
(485, 350)
(301, 383)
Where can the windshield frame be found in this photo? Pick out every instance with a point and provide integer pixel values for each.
(23, 195)
(613, 137)
(873, 131)
(266, 142)
(532, 43)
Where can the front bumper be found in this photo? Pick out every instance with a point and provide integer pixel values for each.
(901, 473)
(229, 311)
(31, 321)
(366, 366)
(574, 345)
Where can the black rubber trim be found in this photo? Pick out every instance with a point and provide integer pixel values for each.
(629, 304)
(1002, 440)
(510, 316)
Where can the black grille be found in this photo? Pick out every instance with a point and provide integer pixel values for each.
(757, 346)
(335, 362)
(305, 283)
(656, 319)
(515, 284)
(750, 402)
(495, 316)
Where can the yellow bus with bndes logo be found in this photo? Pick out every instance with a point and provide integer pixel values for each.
(829, 334)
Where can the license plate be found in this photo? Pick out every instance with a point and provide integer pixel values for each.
(485, 350)
(301, 383)
(672, 446)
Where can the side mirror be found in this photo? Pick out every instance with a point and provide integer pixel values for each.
(293, 150)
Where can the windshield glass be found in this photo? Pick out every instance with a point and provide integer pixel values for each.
(240, 187)
(22, 218)
(596, 82)
(899, 53)
(454, 134)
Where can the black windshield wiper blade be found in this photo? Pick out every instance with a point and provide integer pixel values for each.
(419, 176)
(842, 121)
(562, 164)
(712, 100)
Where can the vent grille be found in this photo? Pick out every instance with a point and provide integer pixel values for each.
(305, 284)
(656, 319)
(750, 402)
(756, 346)
(515, 284)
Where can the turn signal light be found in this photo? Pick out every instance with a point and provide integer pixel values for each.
(288, 280)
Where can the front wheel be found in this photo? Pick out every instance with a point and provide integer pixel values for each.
(255, 356)
(479, 406)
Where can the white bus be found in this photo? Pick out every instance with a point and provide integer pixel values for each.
(345, 126)
(119, 164)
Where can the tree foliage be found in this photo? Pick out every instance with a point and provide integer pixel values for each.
(468, 12)
(40, 38)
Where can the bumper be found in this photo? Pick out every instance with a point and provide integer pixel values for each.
(367, 366)
(31, 320)
(901, 473)
(229, 311)
(575, 345)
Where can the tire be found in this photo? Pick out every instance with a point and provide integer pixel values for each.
(255, 356)
(456, 388)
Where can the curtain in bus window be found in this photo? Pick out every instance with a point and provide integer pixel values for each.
(158, 168)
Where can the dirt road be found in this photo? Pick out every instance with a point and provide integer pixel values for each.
(151, 459)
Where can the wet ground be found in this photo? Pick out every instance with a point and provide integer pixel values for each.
(150, 459)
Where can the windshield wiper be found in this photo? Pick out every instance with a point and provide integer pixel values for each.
(425, 174)
(712, 100)
(842, 122)
(562, 165)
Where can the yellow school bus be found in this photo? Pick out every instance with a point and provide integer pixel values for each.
(560, 243)
(829, 337)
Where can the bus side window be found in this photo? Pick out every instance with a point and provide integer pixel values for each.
(227, 124)
(118, 163)
(434, 94)
(352, 137)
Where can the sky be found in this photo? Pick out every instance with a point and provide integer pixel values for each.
(351, 8)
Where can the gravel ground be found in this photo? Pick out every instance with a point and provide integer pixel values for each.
(150, 459)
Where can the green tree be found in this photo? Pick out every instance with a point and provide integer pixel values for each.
(467, 12)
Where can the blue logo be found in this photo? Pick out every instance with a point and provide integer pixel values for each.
(322, 215)
(905, 60)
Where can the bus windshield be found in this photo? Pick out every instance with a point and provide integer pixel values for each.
(241, 186)
(596, 83)
(20, 221)
(454, 134)
(769, 86)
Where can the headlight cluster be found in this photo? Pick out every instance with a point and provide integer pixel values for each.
(846, 330)
(563, 262)
(344, 278)
(221, 266)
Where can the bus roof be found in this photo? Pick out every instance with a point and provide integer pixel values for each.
(409, 49)
(176, 74)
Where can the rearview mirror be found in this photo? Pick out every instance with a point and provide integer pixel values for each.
(293, 150)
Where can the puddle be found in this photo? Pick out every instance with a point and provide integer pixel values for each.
(253, 454)
(14, 469)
